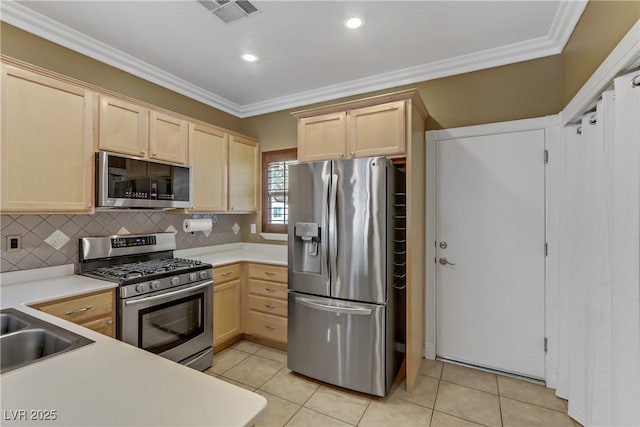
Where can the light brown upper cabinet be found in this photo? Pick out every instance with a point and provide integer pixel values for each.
(244, 171)
(47, 144)
(132, 129)
(322, 137)
(378, 130)
(124, 127)
(168, 138)
(208, 149)
(376, 126)
(225, 170)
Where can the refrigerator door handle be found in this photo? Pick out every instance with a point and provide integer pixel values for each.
(335, 309)
(333, 237)
(324, 230)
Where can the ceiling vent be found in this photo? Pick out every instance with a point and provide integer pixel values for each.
(229, 10)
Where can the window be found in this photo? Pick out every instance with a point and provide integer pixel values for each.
(275, 189)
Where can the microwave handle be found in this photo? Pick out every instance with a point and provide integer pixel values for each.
(169, 294)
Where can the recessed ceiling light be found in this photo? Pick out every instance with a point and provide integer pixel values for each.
(249, 57)
(353, 23)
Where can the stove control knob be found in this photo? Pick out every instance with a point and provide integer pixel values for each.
(193, 276)
(155, 285)
(175, 281)
(203, 275)
(142, 287)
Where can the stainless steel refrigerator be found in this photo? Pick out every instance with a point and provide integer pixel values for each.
(347, 258)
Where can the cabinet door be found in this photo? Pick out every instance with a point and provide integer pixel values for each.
(168, 138)
(47, 137)
(208, 158)
(378, 130)
(322, 137)
(243, 175)
(124, 127)
(226, 311)
(103, 325)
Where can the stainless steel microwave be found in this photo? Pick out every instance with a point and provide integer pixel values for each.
(132, 182)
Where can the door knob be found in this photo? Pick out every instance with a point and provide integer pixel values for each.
(445, 261)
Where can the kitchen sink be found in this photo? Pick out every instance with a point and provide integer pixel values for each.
(10, 323)
(26, 339)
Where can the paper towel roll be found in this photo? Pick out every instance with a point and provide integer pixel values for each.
(191, 225)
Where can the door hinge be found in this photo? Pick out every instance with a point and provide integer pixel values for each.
(546, 156)
(546, 344)
(546, 249)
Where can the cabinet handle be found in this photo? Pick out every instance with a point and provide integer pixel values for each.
(143, 152)
(352, 154)
(270, 273)
(270, 306)
(78, 311)
(341, 154)
(90, 205)
(110, 322)
(226, 274)
(269, 327)
(155, 154)
(269, 289)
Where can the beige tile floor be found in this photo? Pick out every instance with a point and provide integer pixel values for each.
(445, 395)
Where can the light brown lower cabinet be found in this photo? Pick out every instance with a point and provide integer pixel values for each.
(227, 305)
(226, 312)
(249, 300)
(94, 311)
(266, 312)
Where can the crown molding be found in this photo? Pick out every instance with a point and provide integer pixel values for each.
(489, 58)
(566, 18)
(28, 20)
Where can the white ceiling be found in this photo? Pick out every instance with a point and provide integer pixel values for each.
(305, 53)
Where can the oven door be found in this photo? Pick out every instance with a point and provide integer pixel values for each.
(176, 323)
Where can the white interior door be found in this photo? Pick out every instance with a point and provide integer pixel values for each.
(490, 213)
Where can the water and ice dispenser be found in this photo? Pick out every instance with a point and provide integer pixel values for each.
(307, 247)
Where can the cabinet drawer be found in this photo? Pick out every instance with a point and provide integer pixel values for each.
(79, 309)
(268, 272)
(268, 289)
(268, 305)
(226, 273)
(267, 326)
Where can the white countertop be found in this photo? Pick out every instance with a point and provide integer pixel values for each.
(237, 252)
(110, 382)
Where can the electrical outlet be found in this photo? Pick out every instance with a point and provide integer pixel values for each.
(253, 229)
(14, 243)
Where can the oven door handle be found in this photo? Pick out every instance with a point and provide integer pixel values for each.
(169, 294)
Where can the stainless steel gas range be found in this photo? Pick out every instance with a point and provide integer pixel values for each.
(164, 304)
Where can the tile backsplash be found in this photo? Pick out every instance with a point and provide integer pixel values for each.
(49, 240)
